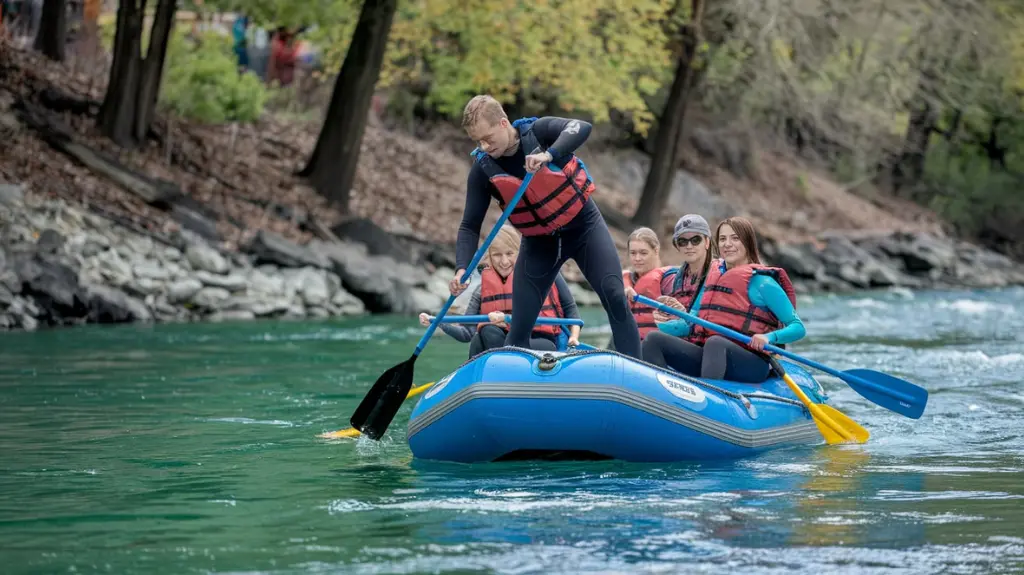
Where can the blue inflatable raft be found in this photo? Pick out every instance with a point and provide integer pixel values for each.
(513, 403)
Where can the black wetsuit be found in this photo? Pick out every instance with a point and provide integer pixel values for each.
(585, 239)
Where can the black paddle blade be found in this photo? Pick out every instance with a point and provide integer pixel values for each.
(378, 408)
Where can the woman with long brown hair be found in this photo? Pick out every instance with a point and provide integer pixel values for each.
(740, 293)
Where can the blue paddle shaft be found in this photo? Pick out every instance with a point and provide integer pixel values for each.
(469, 319)
(476, 260)
(745, 339)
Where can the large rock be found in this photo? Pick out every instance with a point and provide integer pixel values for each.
(152, 270)
(232, 281)
(6, 297)
(347, 304)
(183, 290)
(203, 257)
(419, 300)
(211, 298)
(50, 241)
(9, 279)
(798, 259)
(111, 305)
(262, 282)
(921, 253)
(371, 279)
(268, 247)
(53, 285)
(114, 269)
(270, 307)
(377, 241)
(855, 265)
(407, 274)
(144, 286)
(316, 291)
(688, 196)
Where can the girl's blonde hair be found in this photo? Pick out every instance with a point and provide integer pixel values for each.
(647, 236)
(507, 238)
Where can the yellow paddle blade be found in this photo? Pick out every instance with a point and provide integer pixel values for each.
(350, 432)
(353, 432)
(834, 425)
(851, 427)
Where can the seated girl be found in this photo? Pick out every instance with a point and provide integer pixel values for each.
(646, 276)
(493, 297)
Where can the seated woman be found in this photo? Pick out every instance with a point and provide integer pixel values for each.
(739, 293)
(493, 297)
(692, 238)
(646, 277)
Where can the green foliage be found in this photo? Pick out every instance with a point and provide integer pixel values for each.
(202, 82)
(590, 56)
(969, 191)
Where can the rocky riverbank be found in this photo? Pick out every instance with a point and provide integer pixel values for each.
(61, 264)
(842, 262)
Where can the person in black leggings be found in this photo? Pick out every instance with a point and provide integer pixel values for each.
(585, 238)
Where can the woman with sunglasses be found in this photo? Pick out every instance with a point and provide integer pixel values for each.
(692, 237)
(739, 293)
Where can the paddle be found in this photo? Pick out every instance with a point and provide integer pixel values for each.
(353, 432)
(833, 424)
(381, 403)
(471, 319)
(879, 388)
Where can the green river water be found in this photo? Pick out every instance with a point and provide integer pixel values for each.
(193, 449)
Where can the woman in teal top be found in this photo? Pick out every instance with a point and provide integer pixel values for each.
(739, 293)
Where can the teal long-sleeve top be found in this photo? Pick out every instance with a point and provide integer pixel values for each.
(765, 293)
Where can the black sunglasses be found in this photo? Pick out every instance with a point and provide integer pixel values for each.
(694, 241)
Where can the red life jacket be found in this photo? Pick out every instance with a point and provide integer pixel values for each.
(496, 295)
(553, 198)
(652, 284)
(726, 301)
(685, 287)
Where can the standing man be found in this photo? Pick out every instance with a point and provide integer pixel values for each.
(555, 216)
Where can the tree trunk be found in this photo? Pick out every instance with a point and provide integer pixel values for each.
(153, 67)
(669, 141)
(118, 111)
(332, 166)
(53, 30)
(909, 168)
(135, 81)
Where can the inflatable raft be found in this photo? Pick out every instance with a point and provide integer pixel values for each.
(513, 403)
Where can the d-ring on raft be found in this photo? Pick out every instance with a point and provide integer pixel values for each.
(513, 403)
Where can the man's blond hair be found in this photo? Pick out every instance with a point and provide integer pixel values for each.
(482, 107)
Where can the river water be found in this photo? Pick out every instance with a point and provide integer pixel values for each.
(193, 449)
